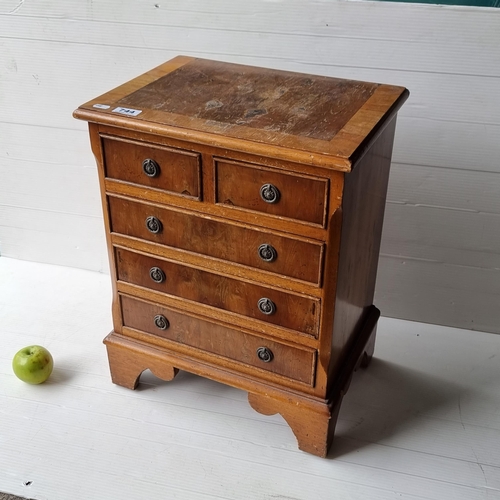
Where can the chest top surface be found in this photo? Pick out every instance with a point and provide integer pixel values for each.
(294, 116)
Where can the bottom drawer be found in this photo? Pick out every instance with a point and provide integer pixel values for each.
(292, 362)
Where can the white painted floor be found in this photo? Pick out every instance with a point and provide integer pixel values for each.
(422, 422)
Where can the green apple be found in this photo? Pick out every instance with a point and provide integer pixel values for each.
(33, 364)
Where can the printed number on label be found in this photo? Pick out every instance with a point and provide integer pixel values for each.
(127, 111)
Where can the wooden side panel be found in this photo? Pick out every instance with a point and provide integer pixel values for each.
(363, 205)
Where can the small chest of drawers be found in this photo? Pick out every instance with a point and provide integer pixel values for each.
(243, 210)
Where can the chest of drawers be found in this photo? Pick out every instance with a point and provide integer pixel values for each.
(243, 211)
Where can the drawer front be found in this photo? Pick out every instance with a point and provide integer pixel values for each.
(263, 190)
(272, 306)
(154, 166)
(294, 363)
(294, 258)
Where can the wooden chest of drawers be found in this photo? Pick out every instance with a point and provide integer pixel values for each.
(243, 210)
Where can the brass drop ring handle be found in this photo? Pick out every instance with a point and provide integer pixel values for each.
(161, 322)
(270, 193)
(266, 306)
(157, 275)
(267, 253)
(150, 168)
(265, 354)
(154, 225)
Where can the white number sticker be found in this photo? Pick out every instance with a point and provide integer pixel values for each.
(127, 111)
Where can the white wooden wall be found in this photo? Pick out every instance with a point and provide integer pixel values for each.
(440, 258)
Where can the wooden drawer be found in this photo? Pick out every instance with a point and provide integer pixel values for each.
(171, 170)
(292, 362)
(291, 257)
(265, 190)
(290, 311)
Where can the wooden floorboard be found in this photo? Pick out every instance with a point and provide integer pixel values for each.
(422, 422)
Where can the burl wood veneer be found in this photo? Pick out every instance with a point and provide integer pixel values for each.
(243, 209)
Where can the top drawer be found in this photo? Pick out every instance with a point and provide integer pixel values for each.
(171, 170)
(261, 189)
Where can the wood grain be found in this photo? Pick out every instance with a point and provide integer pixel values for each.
(300, 197)
(295, 363)
(210, 155)
(126, 367)
(217, 239)
(258, 98)
(292, 311)
(179, 171)
(363, 206)
(355, 111)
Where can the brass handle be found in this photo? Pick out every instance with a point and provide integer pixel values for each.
(266, 306)
(270, 193)
(154, 225)
(267, 252)
(150, 168)
(161, 322)
(265, 354)
(157, 275)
